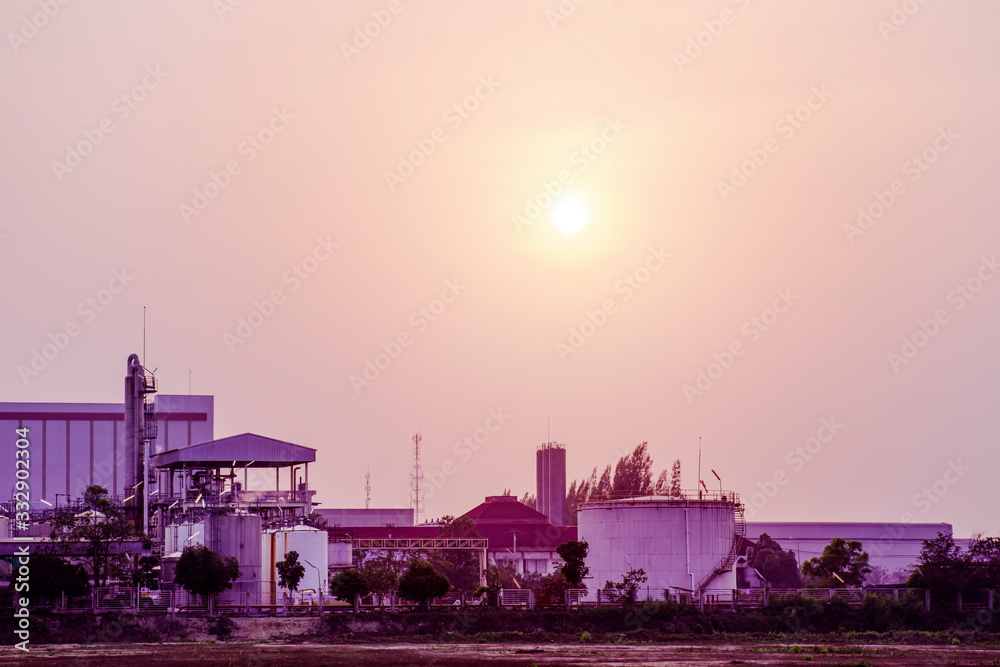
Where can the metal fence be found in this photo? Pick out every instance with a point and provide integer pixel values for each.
(123, 599)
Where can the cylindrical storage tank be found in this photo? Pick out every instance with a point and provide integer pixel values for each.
(679, 542)
(238, 535)
(340, 555)
(312, 547)
(179, 535)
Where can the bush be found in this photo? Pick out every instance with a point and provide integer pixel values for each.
(347, 584)
(422, 582)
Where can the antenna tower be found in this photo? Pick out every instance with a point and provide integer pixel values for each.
(368, 488)
(416, 477)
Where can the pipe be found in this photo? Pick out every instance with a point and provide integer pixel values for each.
(687, 543)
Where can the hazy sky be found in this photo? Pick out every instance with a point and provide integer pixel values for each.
(393, 187)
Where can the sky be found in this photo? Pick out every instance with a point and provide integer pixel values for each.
(340, 219)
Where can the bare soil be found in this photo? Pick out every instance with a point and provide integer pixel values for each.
(307, 655)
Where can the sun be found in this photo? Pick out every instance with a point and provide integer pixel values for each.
(569, 214)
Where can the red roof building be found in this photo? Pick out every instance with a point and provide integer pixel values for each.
(513, 531)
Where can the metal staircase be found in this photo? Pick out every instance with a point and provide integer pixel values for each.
(739, 530)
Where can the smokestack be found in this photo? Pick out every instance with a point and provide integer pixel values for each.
(133, 424)
(550, 477)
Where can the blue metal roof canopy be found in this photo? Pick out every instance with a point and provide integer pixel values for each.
(241, 451)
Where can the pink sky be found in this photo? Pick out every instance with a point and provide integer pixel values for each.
(668, 132)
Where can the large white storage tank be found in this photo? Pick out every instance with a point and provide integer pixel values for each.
(311, 545)
(686, 544)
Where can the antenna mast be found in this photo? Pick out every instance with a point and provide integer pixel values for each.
(368, 488)
(416, 477)
(700, 483)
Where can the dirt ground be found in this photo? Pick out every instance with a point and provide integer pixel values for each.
(307, 655)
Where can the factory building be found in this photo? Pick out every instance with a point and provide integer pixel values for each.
(892, 546)
(688, 544)
(514, 533)
(245, 496)
(351, 518)
(520, 534)
(75, 445)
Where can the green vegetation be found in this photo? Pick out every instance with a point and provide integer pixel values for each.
(842, 563)
(421, 582)
(460, 566)
(290, 571)
(779, 567)
(98, 527)
(945, 569)
(204, 572)
(627, 588)
(52, 575)
(348, 584)
(574, 554)
(632, 475)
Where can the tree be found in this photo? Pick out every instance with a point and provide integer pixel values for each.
(841, 563)
(290, 571)
(662, 485)
(941, 567)
(552, 588)
(348, 584)
(571, 504)
(381, 571)
(529, 500)
(984, 557)
(634, 472)
(460, 565)
(97, 528)
(776, 565)
(604, 486)
(675, 480)
(421, 582)
(52, 575)
(574, 553)
(204, 572)
(628, 587)
(144, 574)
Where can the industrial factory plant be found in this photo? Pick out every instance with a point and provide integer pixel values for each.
(385, 332)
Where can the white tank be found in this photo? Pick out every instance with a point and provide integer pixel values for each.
(311, 545)
(179, 535)
(683, 543)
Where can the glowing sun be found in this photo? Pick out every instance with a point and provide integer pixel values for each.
(569, 214)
